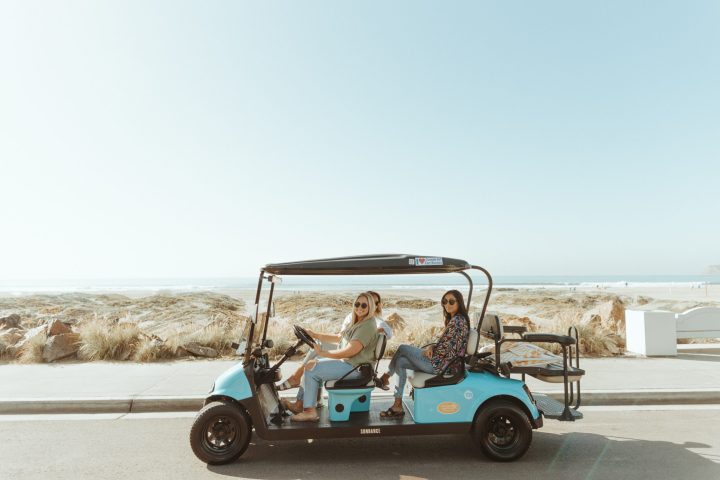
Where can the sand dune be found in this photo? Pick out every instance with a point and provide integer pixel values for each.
(176, 322)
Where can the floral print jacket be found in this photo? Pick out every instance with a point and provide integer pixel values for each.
(451, 344)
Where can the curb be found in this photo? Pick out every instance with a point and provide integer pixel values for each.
(643, 397)
(195, 402)
(101, 405)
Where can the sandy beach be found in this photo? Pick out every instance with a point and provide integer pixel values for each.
(167, 325)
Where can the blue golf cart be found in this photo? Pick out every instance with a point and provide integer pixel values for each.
(479, 398)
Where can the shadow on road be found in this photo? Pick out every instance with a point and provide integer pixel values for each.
(567, 456)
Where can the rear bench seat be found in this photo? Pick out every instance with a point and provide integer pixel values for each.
(492, 329)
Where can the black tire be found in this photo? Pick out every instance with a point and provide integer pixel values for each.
(221, 433)
(502, 430)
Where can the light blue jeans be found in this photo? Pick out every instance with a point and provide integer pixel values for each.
(325, 347)
(407, 357)
(313, 379)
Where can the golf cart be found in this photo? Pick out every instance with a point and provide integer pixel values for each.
(479, 398)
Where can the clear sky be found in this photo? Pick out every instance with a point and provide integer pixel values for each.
(161, 139)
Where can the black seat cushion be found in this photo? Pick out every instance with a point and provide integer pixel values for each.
(366, 379)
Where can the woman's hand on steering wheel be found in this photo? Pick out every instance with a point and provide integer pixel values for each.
(304, 336)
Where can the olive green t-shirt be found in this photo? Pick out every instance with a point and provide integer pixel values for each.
(364, 332)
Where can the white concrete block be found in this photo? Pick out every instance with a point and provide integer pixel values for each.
(650, 333)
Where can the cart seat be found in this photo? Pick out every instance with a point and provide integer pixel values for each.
(521, 356)
(472, 343)
(418, 379)
(491, 327)
(422, 379)
(552, 372)
(367, 373)
(352, 392)
(361, 382)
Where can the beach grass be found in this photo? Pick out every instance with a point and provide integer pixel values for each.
(32, 350)
(150, 349)
(107, 340)
(160, 327)
(595, 340)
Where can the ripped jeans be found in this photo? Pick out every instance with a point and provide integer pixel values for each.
(324, 346)
(314, 377)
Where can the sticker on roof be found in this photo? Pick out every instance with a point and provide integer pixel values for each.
(427, 261)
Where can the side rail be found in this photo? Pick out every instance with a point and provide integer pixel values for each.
(573, 332)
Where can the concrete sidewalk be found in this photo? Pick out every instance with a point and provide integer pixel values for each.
(692, 377)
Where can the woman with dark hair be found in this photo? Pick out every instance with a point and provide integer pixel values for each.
(434, 358)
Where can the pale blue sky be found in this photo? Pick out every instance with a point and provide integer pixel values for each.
(161, 139)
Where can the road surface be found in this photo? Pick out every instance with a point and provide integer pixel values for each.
(614, 443)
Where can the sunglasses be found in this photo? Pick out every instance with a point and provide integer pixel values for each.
(445, 301)
(361, 305)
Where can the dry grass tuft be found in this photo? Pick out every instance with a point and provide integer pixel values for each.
(418, 333)
(152, 349)
(594, 339)
(282, 337)
(396, 322)
(213, 336)
(3, 349)
(107, 340)
(32, 351)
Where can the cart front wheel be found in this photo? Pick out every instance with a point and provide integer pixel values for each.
(502, 431)
(221, 433)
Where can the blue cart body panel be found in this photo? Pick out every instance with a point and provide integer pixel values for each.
(442, 404)
(233, 383)
(459, 402)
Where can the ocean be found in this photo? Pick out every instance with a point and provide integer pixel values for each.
(341, 283)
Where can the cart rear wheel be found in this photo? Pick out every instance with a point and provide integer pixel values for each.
(221, 433)
(502, 431)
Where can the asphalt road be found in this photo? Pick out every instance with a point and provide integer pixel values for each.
(610, 443)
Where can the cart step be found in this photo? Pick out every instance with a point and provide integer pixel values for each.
(553, 409)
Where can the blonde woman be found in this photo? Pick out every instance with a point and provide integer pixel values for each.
(293, 381)
(357, 346)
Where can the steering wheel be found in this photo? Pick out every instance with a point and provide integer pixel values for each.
(303, 336)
